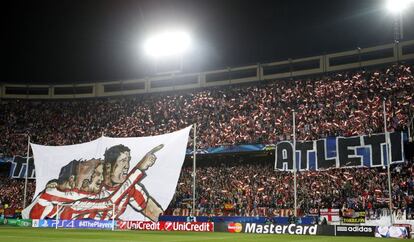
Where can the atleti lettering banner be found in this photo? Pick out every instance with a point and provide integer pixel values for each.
(121, 178)
(340, 152)
(18, 167)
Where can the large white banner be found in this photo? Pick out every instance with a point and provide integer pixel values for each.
(121, 178)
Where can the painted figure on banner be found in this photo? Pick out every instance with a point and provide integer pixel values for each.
(98, 189)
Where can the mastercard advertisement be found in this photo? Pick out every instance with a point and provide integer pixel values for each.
(234, 227)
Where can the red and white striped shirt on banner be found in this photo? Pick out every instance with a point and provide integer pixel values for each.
(75, 204)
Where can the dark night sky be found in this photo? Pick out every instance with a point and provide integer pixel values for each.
(64, 41)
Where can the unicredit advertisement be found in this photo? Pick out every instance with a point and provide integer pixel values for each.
(166, 226)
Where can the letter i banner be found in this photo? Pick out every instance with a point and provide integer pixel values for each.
(134, 177)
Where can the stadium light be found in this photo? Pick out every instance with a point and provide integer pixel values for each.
(168, 43)
(398, 6)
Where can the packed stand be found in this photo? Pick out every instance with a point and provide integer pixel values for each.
(245, 187)
(336, 104)
(12, 192)
(253, 188)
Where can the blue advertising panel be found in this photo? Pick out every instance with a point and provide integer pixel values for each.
(80, 224)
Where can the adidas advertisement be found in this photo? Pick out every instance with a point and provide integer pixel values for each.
(343, 230)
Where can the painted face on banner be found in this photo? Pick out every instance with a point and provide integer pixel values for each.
(67, 185)
(89, 177)
(97, 179)
(121, 168)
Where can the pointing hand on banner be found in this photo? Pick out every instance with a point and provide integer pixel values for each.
(150, 158)
(157, 148)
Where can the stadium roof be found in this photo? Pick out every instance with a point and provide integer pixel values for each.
(68, 41)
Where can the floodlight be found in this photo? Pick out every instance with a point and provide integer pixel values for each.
(168, 43)
(398, 6)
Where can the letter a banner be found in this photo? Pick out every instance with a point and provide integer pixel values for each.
(108, 178)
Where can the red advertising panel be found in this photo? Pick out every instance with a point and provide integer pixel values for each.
(167, 226)
(188, 226)
(138, 225)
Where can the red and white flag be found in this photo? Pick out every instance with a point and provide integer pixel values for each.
(331, 215)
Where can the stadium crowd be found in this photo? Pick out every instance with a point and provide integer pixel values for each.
(337, 104)
(254, 188)
(243, 188)
(348, 103)
(12, 190)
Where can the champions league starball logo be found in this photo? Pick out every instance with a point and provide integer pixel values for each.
(391, 232)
